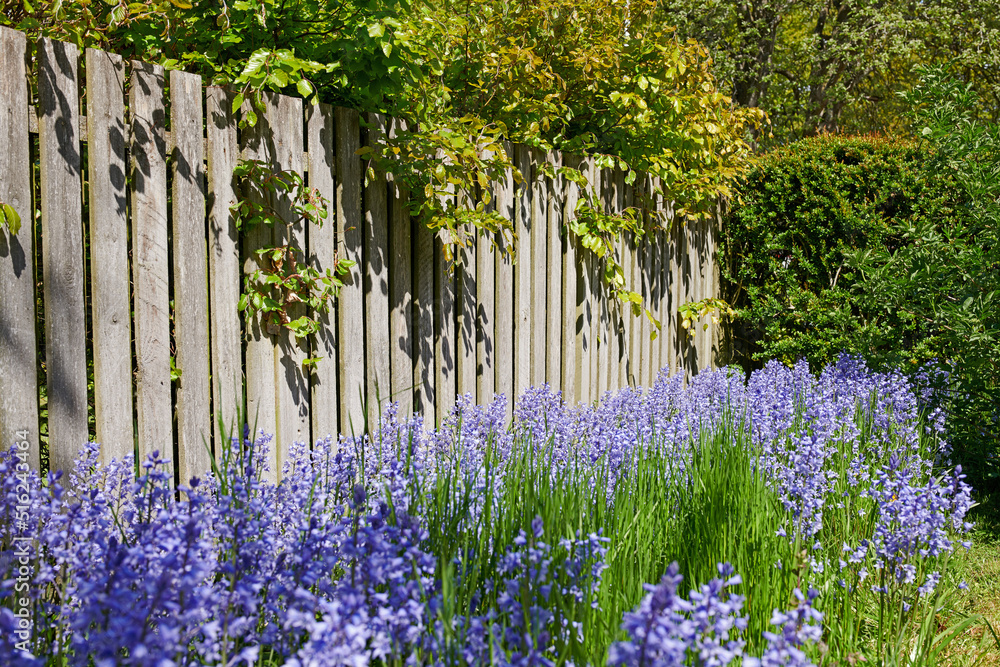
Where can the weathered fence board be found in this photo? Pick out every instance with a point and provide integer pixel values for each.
(539, 257)
(592, 280)
(650, 301)
(632, 325)
(223, 265)
(620, 341)
(190, 261)
(424, 318)
(18, 345)
(322, 257)
(62, 250)
(486, 310)
(259, 349)
(150, 267)
(504, 193)
(553, 270)
(523, 321)
(465, 342)
(604, 357)
(570, 324)
(376, 279)
(284, 117)
(444, 333)
(109, 286)
(401, 337)
(350, 304)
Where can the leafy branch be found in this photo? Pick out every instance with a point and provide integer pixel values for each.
(280, 199)
(693, 311)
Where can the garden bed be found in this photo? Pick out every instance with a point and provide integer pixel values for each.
(784, 518)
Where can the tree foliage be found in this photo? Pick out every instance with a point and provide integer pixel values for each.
(599, 77)
(836, 65)
(943, 279)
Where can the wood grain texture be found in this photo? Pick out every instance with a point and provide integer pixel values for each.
(718, 353)
(150, 268)
(486, 261)
(504, 191)
(632, 323)
(350, 313)
(467, 285)
(668, 355)
(605, 188)
(190, 261)
(376, 280)
(62, 251)
(692, 288)
(618, 348)
(571, 326)
(18, 344)
(592, 289)
(285, 117)
(259, 348)
(445, 381)
(276, 381)
(539, 259)
(523, 311)
(654, 251)
(651, 346)
(621, 341)
(552, 275)
(109, 272)
(223, 265)
(324, 401)
(401, 338)
(423, 315)
(682, 276)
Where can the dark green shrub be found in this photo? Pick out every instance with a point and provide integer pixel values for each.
(798, 217)
(882, 247)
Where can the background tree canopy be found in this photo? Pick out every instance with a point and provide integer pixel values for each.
(602, 77)
(836, 65)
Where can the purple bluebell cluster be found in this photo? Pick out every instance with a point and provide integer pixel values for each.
(668, 629)
(333, 565)
(796, 629)
(528, 623)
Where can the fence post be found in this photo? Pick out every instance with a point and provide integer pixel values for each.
(18, 344)
(62, 250)
(323, 255)
(350, 315)
(375, 274)
(109, 269)
(224, 267)
(190, 260)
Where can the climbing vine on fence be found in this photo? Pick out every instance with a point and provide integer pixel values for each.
(281, 200)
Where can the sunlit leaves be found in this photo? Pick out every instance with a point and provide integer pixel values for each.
(10, 218)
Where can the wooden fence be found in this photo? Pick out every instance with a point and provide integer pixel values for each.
(156, 270)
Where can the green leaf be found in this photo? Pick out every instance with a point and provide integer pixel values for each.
(305, 88)
(11, 218)
(237, 102)
(376, 30)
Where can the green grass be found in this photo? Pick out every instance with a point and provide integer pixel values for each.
(980, 569)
